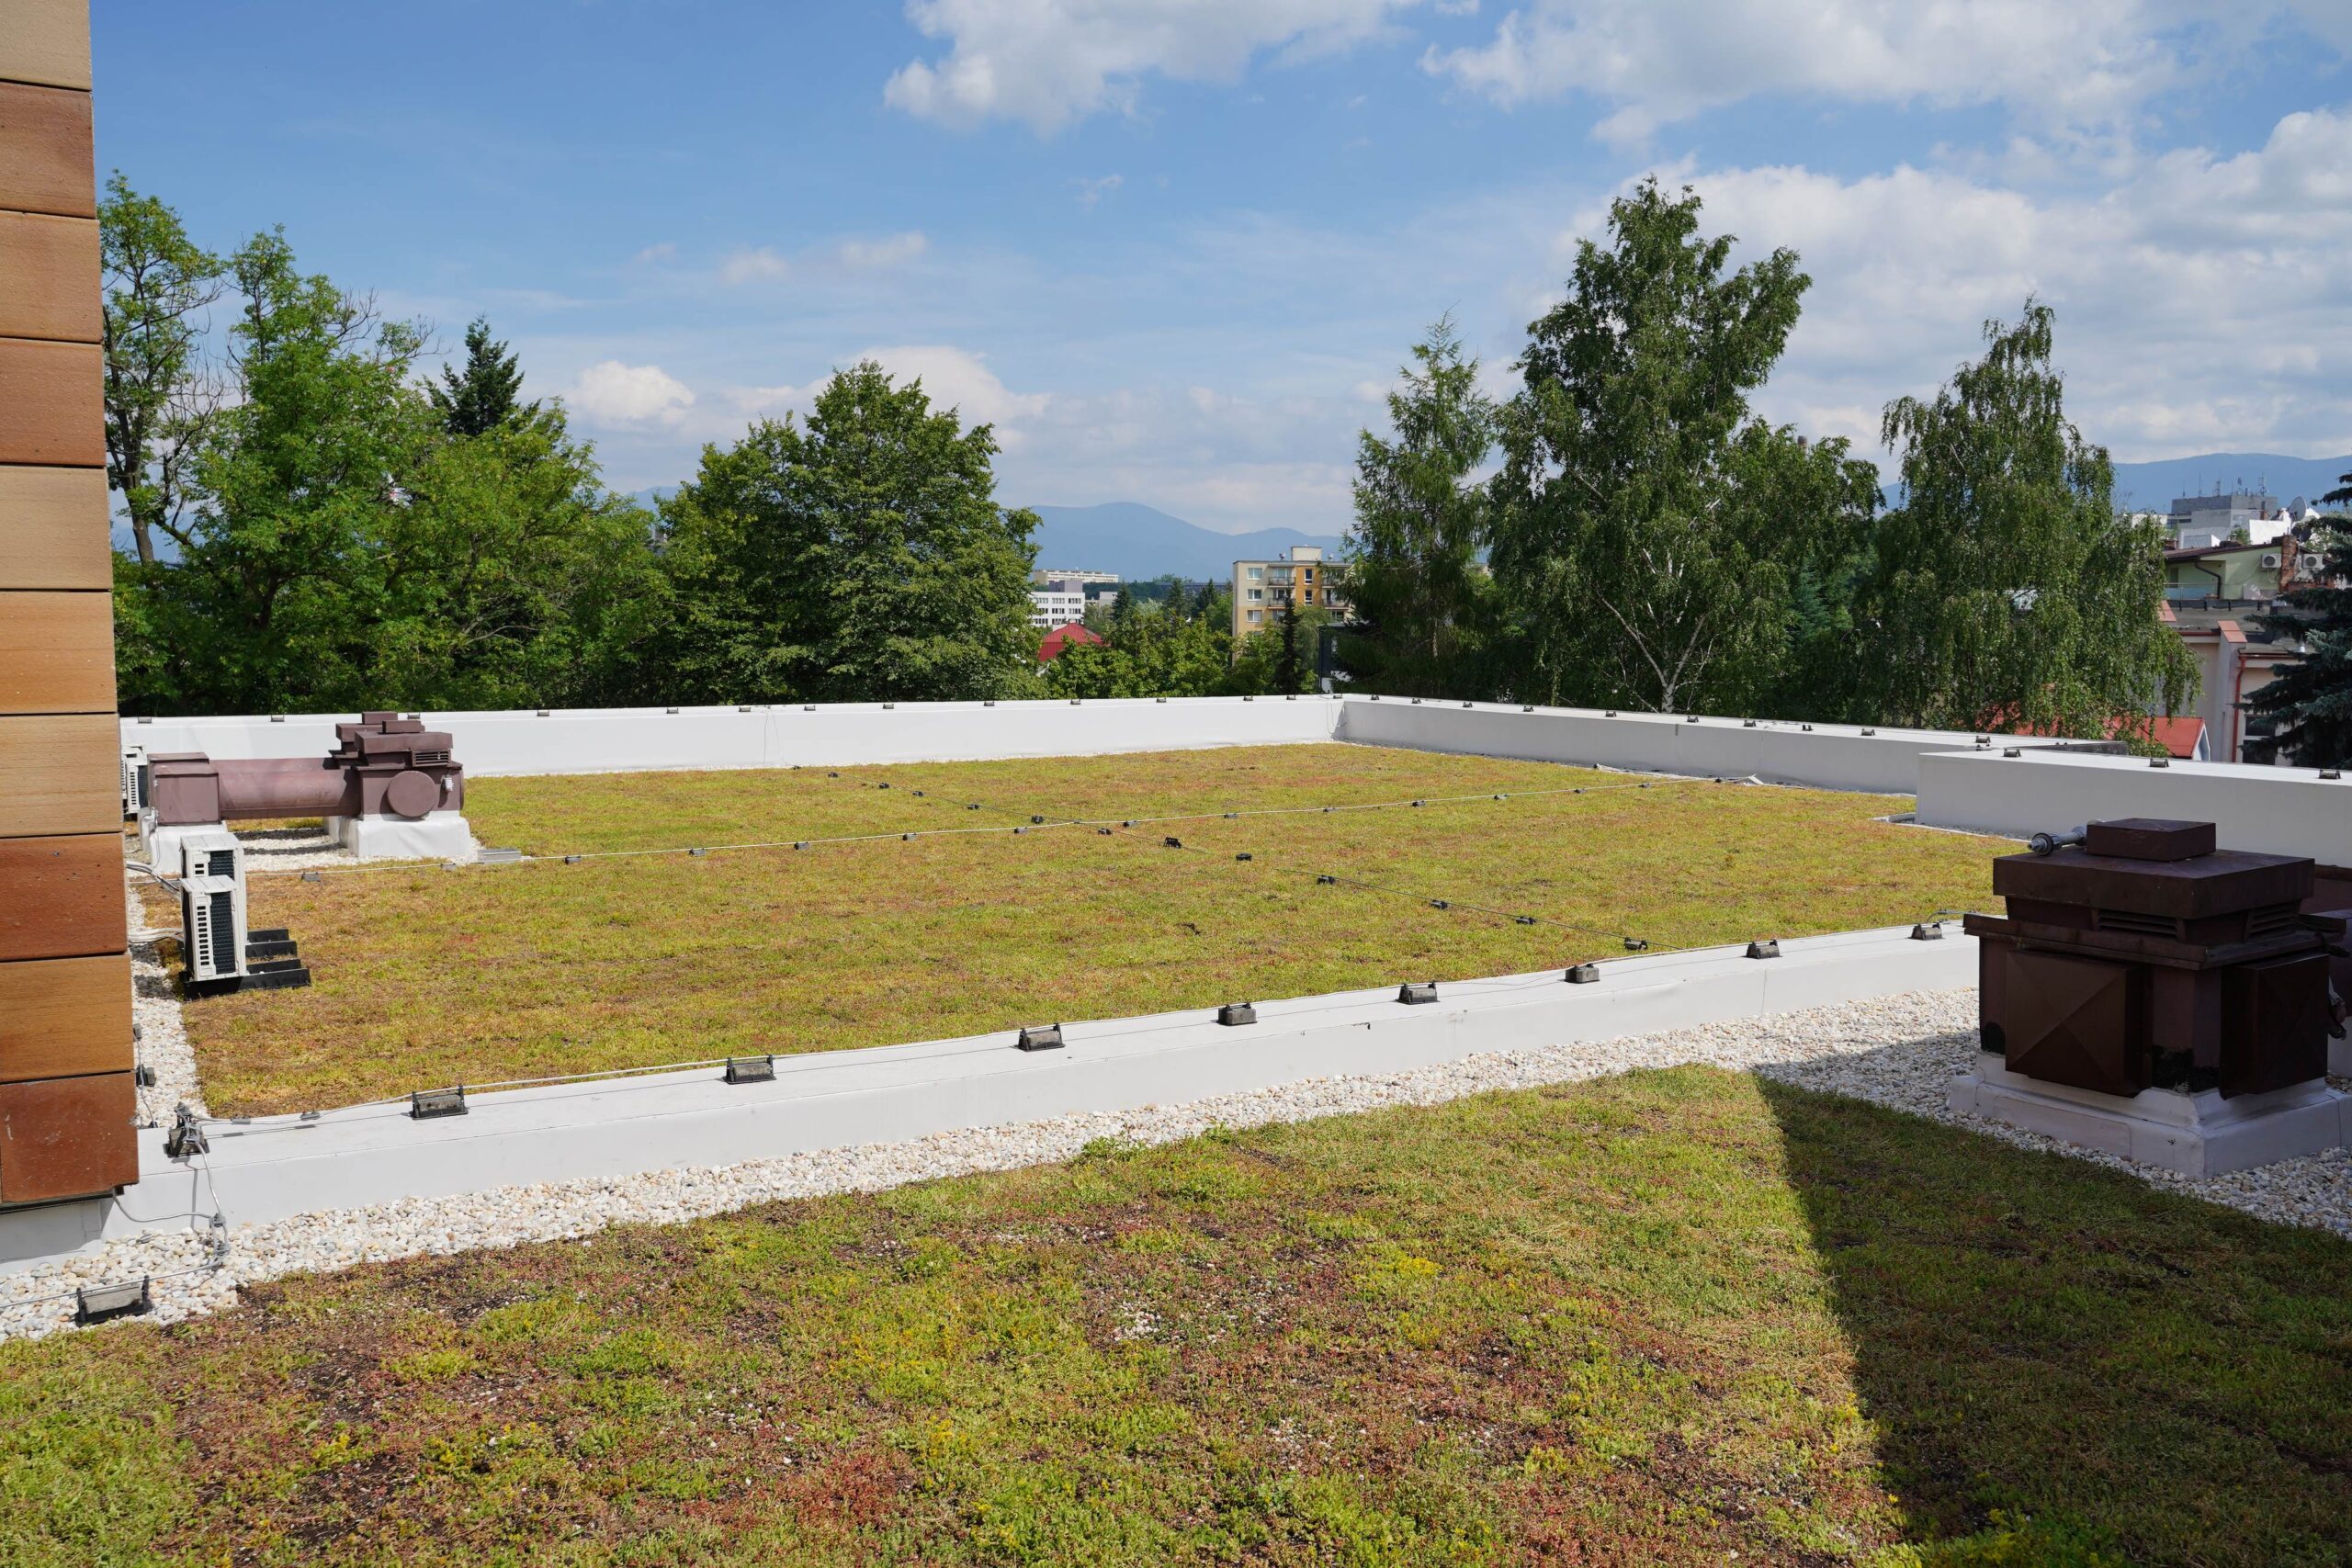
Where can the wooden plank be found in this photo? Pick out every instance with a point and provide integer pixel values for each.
(47, 163)
(48, 276)
(60, 774)
(53, 528)
(67, 1137)
(46, 41)
(56, 652)
(65, 1017)
(53, 407)
(62, 897)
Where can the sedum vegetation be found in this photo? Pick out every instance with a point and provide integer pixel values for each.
(425, 976)
(1664, 1318)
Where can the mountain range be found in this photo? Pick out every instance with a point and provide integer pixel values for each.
(2153, 487)
(1140, 542)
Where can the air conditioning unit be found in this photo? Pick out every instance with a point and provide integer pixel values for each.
(212, 906)
(138, 782)
(2270, 560)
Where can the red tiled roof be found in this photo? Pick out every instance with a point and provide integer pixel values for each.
(2178, 736)
(1060, 638)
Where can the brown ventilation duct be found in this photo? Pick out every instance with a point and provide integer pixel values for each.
(382, 766)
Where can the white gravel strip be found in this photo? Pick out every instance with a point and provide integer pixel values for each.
(1899, 1051)
(291, 849)
(163, 1046)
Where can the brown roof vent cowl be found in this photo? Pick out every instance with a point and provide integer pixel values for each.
(2136, 953)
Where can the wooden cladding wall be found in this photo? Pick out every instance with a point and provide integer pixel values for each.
(43, 261)
(64, 1018)
(52, 403)
(45, 152)
(61, 775)
(53, 529)
(46, 42)
(66, 1096)
(56, 653)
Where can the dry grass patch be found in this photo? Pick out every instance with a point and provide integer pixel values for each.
(425, 976)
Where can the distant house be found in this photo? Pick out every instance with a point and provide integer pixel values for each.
(1061, 639)
(1263, 589)
(2232, 573)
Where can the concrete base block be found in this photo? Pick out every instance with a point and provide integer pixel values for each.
(2196, 1135)
(47, 1232)
(444, 835)
(2339, 1056)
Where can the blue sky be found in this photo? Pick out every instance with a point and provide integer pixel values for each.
(1175, 249)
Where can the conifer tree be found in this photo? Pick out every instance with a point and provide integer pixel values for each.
(487, 393)
(2309, 704)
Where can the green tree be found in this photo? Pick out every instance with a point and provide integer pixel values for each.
(1640, 540)
(1163, 653)
(1411, 576)
(2006, 591)
(487, 392)
(861, 556)
(2306, 708)
(280, 581)
(338, 546)
(158, 285)
(1280, 659)
(511, 577)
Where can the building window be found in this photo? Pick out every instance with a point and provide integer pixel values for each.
(1257, 614)
(1257, 593)
(1256, 573)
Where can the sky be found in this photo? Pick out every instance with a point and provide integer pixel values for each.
(1176, 250)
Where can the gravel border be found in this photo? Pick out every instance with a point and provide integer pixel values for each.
(161, 1038)
(1900, 1052)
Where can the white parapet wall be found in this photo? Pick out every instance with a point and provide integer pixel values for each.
(602, 741)
(1882, 760)
(593, 740)
(274, 1166)
(2284, 811)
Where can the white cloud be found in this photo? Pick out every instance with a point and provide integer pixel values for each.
(610, 393)
(891, 250)
(2200, 300)
(2077, 66)
(1092, 192)
(956, 378)
(1048, 62)
(665, 251)
(953, 377)
(760, 266)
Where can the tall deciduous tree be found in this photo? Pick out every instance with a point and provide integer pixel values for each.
(2006, 591)
(1642, 535)
(486, 391)
(2308, 705)
(278, 584)
(510, 577)
(1419, 594)
(861, 556)
(158, 285)
(340, 548)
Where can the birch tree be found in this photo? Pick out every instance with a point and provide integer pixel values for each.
(1648, 531)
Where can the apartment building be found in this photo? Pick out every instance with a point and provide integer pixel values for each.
(1261, 589)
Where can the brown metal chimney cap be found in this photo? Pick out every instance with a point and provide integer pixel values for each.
(2149, 839)
(2222, 883)
(403, 743)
